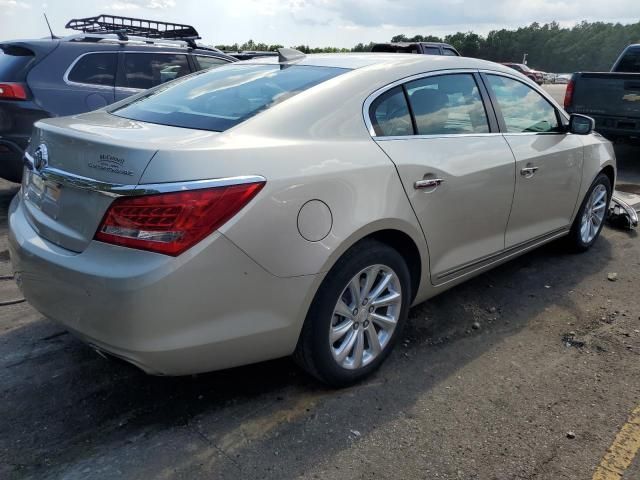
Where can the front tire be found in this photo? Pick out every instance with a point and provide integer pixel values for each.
(592, 214)
(356, 316)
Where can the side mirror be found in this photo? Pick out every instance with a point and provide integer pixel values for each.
(581, 124)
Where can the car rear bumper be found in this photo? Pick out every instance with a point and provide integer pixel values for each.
(617, 127)
(210, 308)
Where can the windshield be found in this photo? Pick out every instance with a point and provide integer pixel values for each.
(219, 99)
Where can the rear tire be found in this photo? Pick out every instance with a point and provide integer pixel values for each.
(356, 316)
(591, 216)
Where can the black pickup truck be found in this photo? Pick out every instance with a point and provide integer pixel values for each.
(611, 98)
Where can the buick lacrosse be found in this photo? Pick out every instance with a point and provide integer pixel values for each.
(295, 206)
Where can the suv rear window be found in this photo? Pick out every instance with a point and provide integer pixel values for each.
(95, 69)
(13, 62)
(221, 98)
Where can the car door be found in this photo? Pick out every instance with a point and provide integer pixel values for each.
(457, 170)
(548, 160)
(139, 71)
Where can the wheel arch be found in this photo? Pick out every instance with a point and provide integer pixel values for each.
(609, 171)
(402, 237)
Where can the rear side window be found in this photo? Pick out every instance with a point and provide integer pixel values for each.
(95, 69)
(524, 110)
(630, 62)
(205, 62)
(221, 98)
(447, 105)
(390, 114)
(432, 50)
(13, 62)
(145, 70)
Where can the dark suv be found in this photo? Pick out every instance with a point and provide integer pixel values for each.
(424, 48)
(55, 77)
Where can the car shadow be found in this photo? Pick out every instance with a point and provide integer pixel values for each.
(66, 409)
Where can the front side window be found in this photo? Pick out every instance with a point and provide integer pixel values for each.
(390, 114)
(447, 104)
(524, 110)
(146, 70)
(95, 69)
(449, 52)
(221, 98)
(205, 62)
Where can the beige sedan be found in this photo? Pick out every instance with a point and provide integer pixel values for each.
(296, 205)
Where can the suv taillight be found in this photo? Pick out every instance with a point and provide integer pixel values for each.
(13, 91)
(568, 94)
(171, 223)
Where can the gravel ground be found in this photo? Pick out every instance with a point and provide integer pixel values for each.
(557, 351)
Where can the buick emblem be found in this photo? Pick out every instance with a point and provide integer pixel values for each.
(41, 158)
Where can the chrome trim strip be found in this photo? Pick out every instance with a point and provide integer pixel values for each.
(444, 135)
(65, 179)
(481, 263)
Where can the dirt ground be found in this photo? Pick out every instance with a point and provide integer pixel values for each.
(556, 355)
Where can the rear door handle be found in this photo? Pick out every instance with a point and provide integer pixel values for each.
(529, 171)
(428, 183)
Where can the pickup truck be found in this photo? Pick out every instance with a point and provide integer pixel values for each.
(611, 98)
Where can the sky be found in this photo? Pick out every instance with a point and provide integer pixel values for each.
(317, 23)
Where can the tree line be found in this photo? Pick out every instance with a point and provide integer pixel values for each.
(549, 47)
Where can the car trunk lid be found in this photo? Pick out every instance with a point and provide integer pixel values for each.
(78, 164)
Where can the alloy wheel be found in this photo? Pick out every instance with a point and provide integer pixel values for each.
(365, 316)
(593, 214)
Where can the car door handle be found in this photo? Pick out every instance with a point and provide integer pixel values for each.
(529, 171)
(428, 183)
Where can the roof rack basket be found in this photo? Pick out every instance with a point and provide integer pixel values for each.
(123, 26)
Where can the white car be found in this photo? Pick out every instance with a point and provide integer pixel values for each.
(295, 205)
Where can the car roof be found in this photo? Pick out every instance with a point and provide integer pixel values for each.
(421, 63)
(107, 43)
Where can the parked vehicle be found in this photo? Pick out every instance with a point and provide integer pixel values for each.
(562, 78)
(534, 75)
(286, 206)
(425, 48)
(249, 54)
(57, 77)
(611, 98)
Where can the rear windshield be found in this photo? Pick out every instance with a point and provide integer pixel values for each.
(630, 62)
(219, 99)
(13, 62)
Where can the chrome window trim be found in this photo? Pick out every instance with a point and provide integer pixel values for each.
(59, 177)
(66, 80)
(444, 135)
(434, 73)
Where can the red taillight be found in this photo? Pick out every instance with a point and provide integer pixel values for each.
(171, 223)
(568, 94)
(13, 91)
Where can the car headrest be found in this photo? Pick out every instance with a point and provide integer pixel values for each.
(426, 101)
